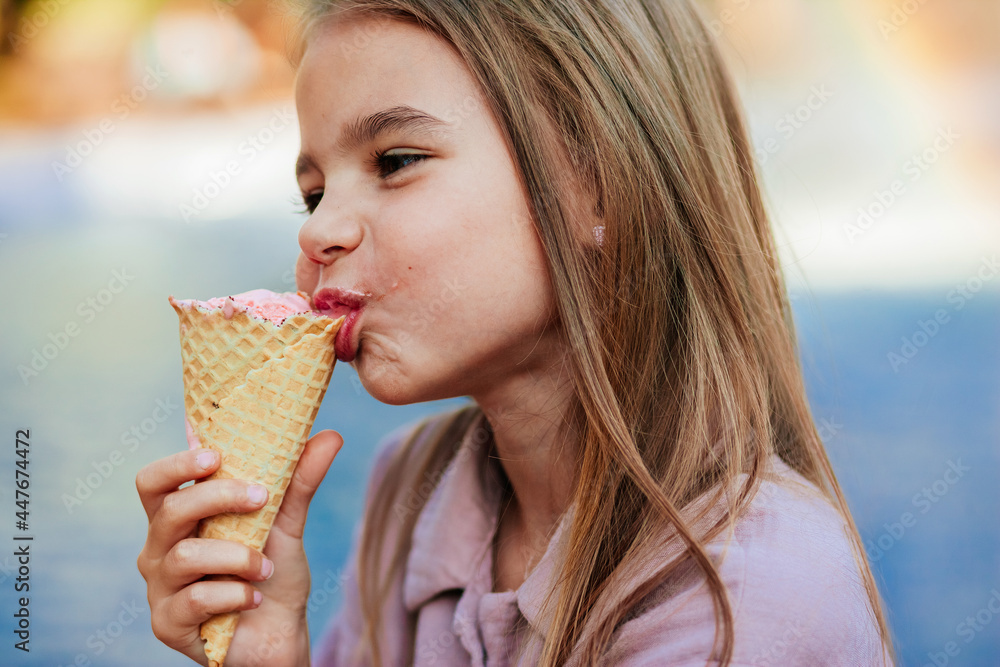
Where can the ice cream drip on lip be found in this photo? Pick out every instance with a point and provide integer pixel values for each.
(366, 298)
(260, 303)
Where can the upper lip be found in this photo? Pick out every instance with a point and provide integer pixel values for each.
(337, 301)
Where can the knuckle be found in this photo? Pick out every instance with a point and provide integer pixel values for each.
(249, 561)
(236, 495)
(159, 629)
(248, 592)
(161, 625)
(196, 598)
(184, 553)
(142, 480)
(170, 508)
(232, 494)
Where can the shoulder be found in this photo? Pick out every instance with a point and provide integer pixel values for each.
(796, 591)
(802, 587)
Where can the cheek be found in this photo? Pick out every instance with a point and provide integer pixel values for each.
(474, 285)
(426, 271)
(461, 260)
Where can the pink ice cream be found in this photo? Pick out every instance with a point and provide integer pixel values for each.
(262, 304)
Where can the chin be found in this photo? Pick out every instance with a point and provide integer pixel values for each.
(388, 381)
(390, 395)
(384, 381)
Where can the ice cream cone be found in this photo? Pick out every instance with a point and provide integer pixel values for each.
(253, 385)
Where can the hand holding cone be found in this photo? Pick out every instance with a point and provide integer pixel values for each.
(256, 368)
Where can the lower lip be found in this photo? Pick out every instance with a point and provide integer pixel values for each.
(344, 343)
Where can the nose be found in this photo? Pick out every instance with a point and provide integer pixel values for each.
(332, 231)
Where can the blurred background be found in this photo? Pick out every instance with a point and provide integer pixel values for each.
(147, 148)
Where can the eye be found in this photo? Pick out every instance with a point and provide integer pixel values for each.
(389, 162)
(309, 201)
(386, 163)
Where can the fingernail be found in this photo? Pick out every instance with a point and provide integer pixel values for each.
(267, 569)
(257, 494)
(206, 459)
(257, 598)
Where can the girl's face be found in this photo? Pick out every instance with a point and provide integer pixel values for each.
(419, 226)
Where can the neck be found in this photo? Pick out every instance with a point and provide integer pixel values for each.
(528, 416)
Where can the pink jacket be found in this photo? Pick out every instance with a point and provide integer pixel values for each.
(796, 594)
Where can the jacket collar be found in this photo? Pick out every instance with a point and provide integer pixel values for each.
(454, 534)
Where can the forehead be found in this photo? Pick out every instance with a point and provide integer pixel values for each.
(357, 63)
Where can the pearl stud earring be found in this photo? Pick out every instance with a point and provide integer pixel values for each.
(599, 234)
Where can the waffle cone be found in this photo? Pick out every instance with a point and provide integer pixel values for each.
(252, 390)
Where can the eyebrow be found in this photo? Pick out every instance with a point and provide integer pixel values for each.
(367, 129)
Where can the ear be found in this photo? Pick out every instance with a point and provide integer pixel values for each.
(577, 194)
(583, 209)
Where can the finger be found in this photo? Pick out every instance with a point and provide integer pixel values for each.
(181, 510)
(306, 274)
(319, 453)
(192, 606)
(191, 559)
(163, 476)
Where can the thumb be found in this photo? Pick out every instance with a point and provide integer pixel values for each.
(309, 473)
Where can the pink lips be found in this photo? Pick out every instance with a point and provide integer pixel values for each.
(335, 302)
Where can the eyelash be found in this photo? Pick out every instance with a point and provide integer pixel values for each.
(379, 159)
(307, 203)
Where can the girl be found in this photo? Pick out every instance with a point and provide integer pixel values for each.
(550, 207)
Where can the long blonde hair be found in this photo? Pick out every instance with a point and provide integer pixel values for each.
(678, 326)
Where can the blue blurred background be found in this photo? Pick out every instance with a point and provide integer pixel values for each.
(876, 130)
